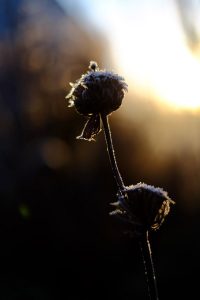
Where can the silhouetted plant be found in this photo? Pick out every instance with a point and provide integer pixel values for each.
(143, 207)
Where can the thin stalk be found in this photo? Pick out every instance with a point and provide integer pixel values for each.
(111, 152)
(144, 241)
(149, 267)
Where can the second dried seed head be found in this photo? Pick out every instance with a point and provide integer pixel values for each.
(144, 207)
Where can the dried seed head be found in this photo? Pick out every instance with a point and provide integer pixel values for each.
(144, 206)
(96, 92)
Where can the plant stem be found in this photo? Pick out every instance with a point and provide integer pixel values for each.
(144, 241)
(149, 267)
(111, 152)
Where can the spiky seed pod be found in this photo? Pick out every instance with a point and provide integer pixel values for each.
(143, 206)
(96, 92)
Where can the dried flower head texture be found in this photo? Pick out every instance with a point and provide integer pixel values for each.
(144, 206)
(97, 92)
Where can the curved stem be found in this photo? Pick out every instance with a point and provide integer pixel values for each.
(111, 153)
(149, 267)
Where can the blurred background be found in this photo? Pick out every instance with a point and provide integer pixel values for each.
(57, 238)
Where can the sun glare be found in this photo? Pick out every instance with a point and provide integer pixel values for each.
(151, 49)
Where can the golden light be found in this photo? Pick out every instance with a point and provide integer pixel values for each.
(151, 51)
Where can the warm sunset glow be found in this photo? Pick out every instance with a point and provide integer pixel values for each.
(153, 55)
(149, 45)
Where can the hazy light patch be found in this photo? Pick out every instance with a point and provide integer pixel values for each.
(151, 51)
(149, 48)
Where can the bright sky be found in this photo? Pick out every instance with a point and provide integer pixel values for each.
(149, 46)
